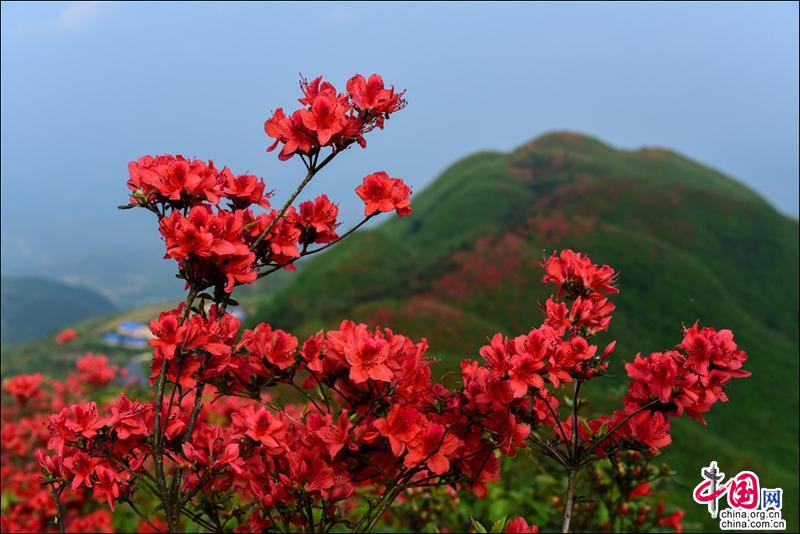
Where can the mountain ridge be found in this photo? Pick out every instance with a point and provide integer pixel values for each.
(34, 306)
(690, 244)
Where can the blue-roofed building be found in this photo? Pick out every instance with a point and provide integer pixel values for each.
(130, 335)
(132, 329)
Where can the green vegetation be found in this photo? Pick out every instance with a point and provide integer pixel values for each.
(33, 307)
(690, 244)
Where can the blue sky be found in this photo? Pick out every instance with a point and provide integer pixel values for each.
(88, 87)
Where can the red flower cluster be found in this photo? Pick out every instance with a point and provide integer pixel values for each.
(390, 408)
(518, 525)
(587, 285)
(333, 119)
(216, 242)
(28, 504)
(65, 336)
(381, 193)
(24, 387)
(392, 424)
(517, 370)
(374, 417)
(224, 244)
(688, 380)
(181, 181)
(513, 383)
(228, 246)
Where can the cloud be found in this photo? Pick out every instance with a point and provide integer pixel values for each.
(80, 15)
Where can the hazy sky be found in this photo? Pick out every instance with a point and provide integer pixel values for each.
(88, 87)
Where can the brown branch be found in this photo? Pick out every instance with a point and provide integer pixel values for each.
(59, 511)
(312, 171)
(608, 434)
(320, 249)
(140, 514)
(568, 503)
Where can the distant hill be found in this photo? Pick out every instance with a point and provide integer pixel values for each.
(690, 243)
(33, 307)
(127, 275)
(46, 356)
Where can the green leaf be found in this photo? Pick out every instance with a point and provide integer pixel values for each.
(499, 525)
(477, 526)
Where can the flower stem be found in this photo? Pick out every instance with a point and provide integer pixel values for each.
(569, 501)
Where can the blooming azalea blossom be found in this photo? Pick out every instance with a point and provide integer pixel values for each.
(381, 193)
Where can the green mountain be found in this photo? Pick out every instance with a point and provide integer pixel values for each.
(690, 244)
(32, 307)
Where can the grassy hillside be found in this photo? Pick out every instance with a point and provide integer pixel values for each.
(690, 243)
(45, 355)
(33, 307)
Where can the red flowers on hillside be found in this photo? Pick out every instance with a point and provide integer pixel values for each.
(24, 387)
(65, 336)
(254, 429)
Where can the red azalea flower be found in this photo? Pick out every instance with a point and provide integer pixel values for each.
(650, 428)
(524, 373)
(278, 347)
(434, 446)
(106, 487)
(371, 96)
(65, 336)
(642, 490)
(496, 354)
(326, 116)
(173, 178)
(290, 132)
(400, 427)
(128, 418)
(318, 219)
(572, 270)
(81, 466)
(243, 190)
(381, 193)
(654, 376)
(259, 424)
(673, 521)
(334, 436)
(24, 387)
(94, 369)
(518, 525)
(367, 355)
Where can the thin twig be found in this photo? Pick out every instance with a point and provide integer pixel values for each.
(316, 250)
(608, 434)
(59, 511)
(312, 171)
(141, 515)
